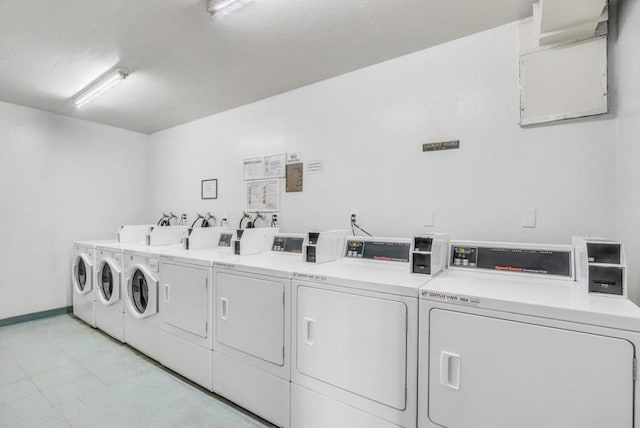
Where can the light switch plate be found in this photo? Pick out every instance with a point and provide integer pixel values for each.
(528, 218)
(429, 218)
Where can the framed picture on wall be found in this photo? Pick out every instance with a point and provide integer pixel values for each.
(209, 189)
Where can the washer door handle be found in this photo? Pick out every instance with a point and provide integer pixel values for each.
(166, 293)
(450, 370)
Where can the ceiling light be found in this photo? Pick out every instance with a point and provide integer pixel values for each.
(100, 86)
(218, 8)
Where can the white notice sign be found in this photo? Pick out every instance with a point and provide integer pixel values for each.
(315, 167)
(263, 195)
(294, 157)
(274, 166)
(253, 168)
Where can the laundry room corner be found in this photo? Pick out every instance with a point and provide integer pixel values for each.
(62, 180)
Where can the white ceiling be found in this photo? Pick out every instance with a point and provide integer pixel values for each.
(185, 66)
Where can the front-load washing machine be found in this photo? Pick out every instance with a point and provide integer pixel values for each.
(141, 283)
(109, 293)
(508, 339)
(83, 269)
(109, 267)
(141, 287)
(355, 337)
(82, 281)
(185, 302)
(251, 348)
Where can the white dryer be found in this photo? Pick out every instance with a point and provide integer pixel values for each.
(355, 338)
(250, 361)
(186, 303)
(508, 339)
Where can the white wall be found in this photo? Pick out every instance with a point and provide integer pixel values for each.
(50, 169)
(368, 127)
(628, 137)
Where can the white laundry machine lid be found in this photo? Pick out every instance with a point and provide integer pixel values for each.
(82, 273)
(141, 291)
(371, 264)
(542, 297)
(108, 281)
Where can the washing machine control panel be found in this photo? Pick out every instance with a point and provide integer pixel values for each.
(378, 250)
(225, 240)
(512, 259)
(285, 244)
(464, 256)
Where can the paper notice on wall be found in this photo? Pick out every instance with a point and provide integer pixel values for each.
(315, 167)
(253, 168)
(271, 166)
(263, 195)
(274, 165)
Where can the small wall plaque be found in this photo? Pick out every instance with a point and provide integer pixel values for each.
(294, 177)
(209, 189)
(443, 145)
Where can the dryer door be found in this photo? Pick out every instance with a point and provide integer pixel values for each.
(354, 342)
(490, 372)
(141, 292)
(250, 315)
(82, 274)
(185, 298)
(108, 277)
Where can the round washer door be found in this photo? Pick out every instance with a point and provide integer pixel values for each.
(108, 277)
(82, 274)
(141, 292)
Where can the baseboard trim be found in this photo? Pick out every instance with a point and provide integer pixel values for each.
(36, 316)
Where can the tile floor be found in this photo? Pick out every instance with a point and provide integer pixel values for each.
(58, 372)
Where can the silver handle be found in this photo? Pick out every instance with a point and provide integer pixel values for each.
(224, 303)
(450, 370)
(308, 330)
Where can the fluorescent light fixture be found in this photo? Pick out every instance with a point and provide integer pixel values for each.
(100, 86)
(218, 8)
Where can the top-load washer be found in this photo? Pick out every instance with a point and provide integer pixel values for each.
(509, 339)
(141, 287)
(109, 271)
(251, 347)
(355, 336)
(186, 304)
